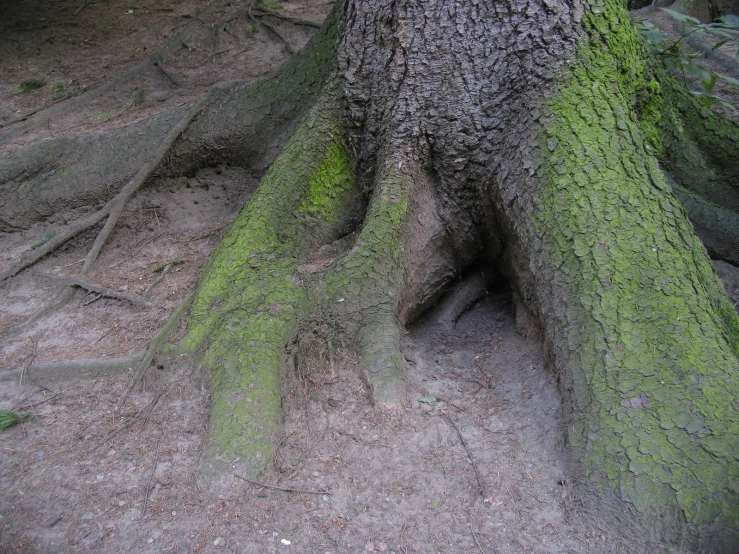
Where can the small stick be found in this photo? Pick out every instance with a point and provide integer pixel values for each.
(108, 332)
(400, 542)
(94, 299)
(73, 281)
(283, 489)
(156, 281)
(476, 541)
(28, 363)
(464, 444)
(148, 485)
(25, 408)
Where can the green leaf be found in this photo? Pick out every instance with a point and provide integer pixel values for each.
(709, 83)
(693, 68)
(681, 16)
(720, 44)
(427, 399)
(7, 419)
(728, 79)
(672, 63)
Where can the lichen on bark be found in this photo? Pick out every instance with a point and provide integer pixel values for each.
(645, 337)
(250, 293)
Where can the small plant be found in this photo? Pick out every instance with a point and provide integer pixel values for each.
(136, 100)
(104, 116)
(28, 85)
(674, 57)
(8, 419)
(270, 4)
(59, 93)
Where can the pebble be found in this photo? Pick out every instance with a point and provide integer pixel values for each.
(285, 542)
(219, 542)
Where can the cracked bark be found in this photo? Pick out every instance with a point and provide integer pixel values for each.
(510, 134)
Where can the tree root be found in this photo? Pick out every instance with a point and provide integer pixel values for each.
(247, 305)
(112, 209)
(156, 58)
(61, 237)
(122, 198)
(270, 28)
(261, 11)
(154, 347)
(50, 372)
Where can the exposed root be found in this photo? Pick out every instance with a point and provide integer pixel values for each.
(50, 372)
(270, 28)
(465, 294)
(61, 237)
(251, 295)
(366, 285)
(154, 347)
(17, 126)
(261, 11)
(122, 198)
(112, 209)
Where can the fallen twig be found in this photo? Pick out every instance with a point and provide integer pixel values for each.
(274, 487)
(474, 536)
(108, 332)
(156, 281)
(32, 405)
(108, 292)
(469, 456)
(148, 485)
(28, 363)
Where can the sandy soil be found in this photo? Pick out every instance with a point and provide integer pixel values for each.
(472, 462)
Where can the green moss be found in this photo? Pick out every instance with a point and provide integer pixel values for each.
(330, 185)
(647, 322)
(250, 294)
(365, 283)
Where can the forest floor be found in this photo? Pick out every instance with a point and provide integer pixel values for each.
(472, 462)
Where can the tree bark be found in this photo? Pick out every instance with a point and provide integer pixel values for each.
(441, 136)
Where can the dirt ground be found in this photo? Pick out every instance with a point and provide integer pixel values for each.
(473, 462)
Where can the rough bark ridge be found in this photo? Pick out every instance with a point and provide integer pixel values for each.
(552, 159)
(450, 135)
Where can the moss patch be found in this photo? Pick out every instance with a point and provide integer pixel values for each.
(651, 366)
(330, 185)
(250, 294)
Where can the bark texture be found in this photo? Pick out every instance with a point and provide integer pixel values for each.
(523, 135)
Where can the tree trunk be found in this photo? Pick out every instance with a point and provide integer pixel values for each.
(519, 134)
